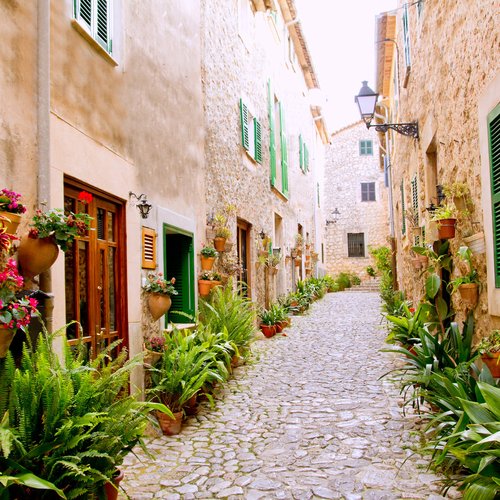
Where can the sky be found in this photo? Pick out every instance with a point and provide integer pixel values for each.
(340, 35)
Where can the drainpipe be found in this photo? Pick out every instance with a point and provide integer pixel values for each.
(43, 134)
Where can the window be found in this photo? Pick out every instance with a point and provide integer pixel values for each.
(277, 144)
(356, 244)
(303, 155)
(95, 17)
(367, 191)
(414, 198)
(251, 133)
(366, 148)
(406, 36)
(494, 146)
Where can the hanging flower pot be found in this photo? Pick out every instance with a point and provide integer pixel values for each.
(220, 244)
(158, 304)
(446, 228)
(469, 293)
(207, 263)
(10, 221)
(36, 255)
(6, 337)
(170, 426)
(204, 287)
(152, 357)
(492, 361)
(111, 489)
(215, 283)
(476, 243)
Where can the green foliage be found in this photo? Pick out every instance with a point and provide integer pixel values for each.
(343, 280)
(66, 426)
(490, 344)
(209, 251)
(370, 271)
(465, 254)
(355, 279)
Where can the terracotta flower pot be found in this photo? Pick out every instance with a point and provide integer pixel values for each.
(235, 361)
(152, 357)
(268, 330)
(191, 406)
(6, 337)
(111, 489)
(215, 283)
(207, 263)
(36, 255)
(492, 361)
(12, 223)
(158, 304)
(220, 244)
(469, 293)
(204, 287)
(476, 243)
(279, 326)
(446, 228)
(170, 426)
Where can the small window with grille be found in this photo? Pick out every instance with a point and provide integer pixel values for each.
(367, 191)
(356, 244)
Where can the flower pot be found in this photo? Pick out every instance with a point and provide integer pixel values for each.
(415, 262)
(280, 325)
(268, 330)
(220, 244)
(6, 337)
(469, 293)
(215, 283)
(158, 304)
(492, 361)
(191, 405)
(476, 243)
(235, 361)
(204, 287)
(36, 255)
(152, 357)
(12, 223)
(170, 426)
(111, 489)
(207, 263)
(446, 228)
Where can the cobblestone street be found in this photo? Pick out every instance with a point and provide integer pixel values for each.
(308, 418)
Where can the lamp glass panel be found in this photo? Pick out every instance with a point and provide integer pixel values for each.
(366, 104)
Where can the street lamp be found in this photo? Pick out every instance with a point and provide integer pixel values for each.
(334, 217)
(367, 102)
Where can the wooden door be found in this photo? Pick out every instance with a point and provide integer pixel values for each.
(95, 272)
(243, 244)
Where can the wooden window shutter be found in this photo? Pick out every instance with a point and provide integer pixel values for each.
(494, 143)
(148, 248)
(403, 208)
(258, 140)
(301, 153)
(414, 197)
(244, 125)
(272, 141)
(284, 153)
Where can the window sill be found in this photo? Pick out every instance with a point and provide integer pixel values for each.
(278, 193)
(95, 45)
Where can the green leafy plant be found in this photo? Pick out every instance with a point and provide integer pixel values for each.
(156, 283)
(371, 271)
(490, 344)
(465, 255)
(446, 211)
(267, 317)
(209, 251)
(63, 227)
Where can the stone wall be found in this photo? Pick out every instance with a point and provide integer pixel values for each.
(454, 49)
(238, 64)
(345, 170)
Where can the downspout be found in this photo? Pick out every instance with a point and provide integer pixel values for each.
(43, 135)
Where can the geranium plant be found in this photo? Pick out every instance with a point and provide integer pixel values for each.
(154, 343)
(63, 227)
(15, 312)
(156, 283)
(9, 202)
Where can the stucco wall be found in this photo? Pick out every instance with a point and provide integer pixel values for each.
(235, 68)
(454, 54)
(345, 170)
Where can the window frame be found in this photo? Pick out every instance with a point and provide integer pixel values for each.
(365, 147)
(368, 191)
(351, 246)
(251, 132)
(92, 29)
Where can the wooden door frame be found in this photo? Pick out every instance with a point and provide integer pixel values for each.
(245, 225)
(121, 298)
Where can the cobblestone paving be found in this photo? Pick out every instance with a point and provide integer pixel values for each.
(308, 419)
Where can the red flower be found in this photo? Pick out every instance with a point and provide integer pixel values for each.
(85, 197)
(411, 309)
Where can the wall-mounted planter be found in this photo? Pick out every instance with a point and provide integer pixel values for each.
(36, 255)
(10, 222)
(220, 244)
(476, 243)
(469, 293)
(158, 304)
(207, 263)
(446, 228)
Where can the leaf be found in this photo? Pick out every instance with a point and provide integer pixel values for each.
(31, 481)
(477, 412)
(432, 285)
(491, 395)
(480, 491)
(442, 307)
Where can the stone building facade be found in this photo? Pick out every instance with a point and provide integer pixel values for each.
(445, 76)
(257, 67)
(355, 188)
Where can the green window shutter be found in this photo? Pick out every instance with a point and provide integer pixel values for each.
(494, 143)
(306, 158)
(403, 208)
(301, 153)
(284, 153)
(406, 35)
(272, 141)
(414, 197)
(244, 125)
(258, 140)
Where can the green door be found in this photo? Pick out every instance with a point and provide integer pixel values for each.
(179, 263)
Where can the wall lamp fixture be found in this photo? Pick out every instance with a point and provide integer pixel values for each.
(334, 217)
(142, 204)
(367, 101)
